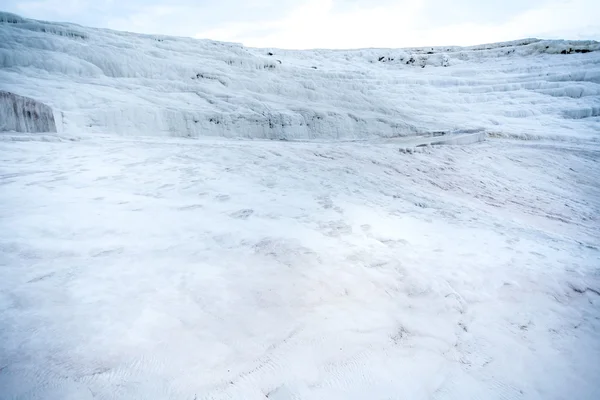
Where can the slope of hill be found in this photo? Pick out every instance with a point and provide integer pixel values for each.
(105, 81)
(354, 260)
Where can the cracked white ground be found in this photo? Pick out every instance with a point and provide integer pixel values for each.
(172, 268)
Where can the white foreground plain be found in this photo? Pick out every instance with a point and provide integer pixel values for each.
(145, 256)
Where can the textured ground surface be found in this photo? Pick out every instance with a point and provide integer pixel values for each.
(344, 262)
(171, 268)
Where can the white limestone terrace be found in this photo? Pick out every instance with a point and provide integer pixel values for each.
(22, 114)
(103, 81)
(154, 248)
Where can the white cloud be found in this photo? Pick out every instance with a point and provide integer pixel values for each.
(332, 23)
(317, 23)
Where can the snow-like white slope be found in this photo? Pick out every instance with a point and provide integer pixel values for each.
(214, 269)
(154, 267)
(106, 81)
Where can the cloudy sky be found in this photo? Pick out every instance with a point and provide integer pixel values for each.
(305, 24)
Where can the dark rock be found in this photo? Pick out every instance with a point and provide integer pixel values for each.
(24, 114)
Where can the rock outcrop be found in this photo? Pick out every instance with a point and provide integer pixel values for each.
(24, 114)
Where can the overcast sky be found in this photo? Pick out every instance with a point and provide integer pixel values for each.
(302, 24)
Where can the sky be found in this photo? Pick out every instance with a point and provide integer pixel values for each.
(340, 24)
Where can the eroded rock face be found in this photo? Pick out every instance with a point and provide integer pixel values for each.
(24, 114)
